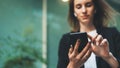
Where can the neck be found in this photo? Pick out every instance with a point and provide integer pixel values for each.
(87, 28)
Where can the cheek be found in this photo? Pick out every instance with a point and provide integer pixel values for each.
(92, 10)
(79, 12)
(76, 11)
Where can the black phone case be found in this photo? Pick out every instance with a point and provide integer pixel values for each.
(83, 39)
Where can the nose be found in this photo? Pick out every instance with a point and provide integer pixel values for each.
(84, 9)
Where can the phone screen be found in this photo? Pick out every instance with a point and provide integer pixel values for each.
(83, 39)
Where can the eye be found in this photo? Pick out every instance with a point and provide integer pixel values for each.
(78, 6)
(89, 4)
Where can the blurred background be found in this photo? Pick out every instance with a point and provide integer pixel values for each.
(20, 34)
(21, 31)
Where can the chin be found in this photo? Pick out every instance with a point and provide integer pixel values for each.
(86, 21)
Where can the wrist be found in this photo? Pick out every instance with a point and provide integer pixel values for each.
(111, 60)
(73, 65)
(108, 57)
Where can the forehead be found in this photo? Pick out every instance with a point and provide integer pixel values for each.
(81, 1)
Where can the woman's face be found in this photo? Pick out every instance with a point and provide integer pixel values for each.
(84, 10)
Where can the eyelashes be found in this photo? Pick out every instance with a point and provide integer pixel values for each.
(88, 4)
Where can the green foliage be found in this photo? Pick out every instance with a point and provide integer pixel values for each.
(20, 51)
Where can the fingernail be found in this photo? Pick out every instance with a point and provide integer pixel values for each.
(90, 42)
(97, 43)
(78, 40)
(71, 46)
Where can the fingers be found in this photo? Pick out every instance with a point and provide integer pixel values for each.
(87, 55)
(70, 50)
(104, 42)
(84, 51)
(97, 40)
(77, 46)
(75, 49)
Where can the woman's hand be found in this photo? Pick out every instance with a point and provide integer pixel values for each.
(76, 59)
(100, 47)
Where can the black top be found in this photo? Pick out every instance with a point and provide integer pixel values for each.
(111, 34)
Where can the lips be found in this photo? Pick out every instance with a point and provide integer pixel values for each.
(85, 17)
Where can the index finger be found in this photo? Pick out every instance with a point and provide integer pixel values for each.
(84, 51)
(77, 46)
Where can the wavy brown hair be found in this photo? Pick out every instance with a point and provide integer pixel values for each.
(104, 13)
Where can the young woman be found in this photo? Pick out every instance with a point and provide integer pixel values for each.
(103, 51)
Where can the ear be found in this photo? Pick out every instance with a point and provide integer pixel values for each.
(75, 14)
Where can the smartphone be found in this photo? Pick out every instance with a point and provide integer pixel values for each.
(83, 39)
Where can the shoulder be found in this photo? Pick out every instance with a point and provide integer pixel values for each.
(65, 36)
(108, 32)
(112, 30)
